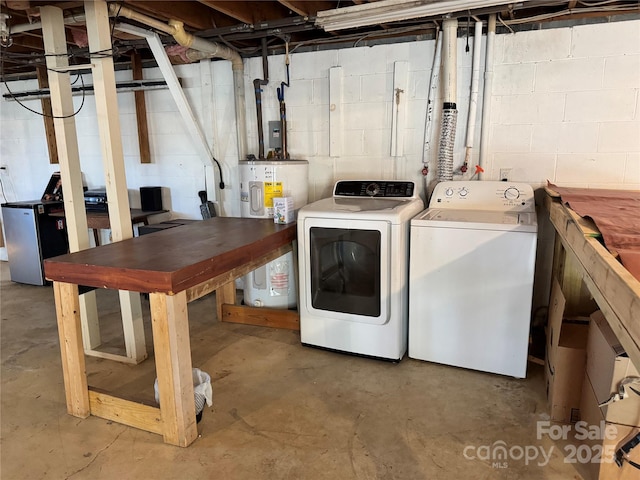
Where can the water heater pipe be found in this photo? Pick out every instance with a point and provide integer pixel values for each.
(486, 93)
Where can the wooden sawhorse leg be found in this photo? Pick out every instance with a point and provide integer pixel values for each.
(170, 324)
(71, 350)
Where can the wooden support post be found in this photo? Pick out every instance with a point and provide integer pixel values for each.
(225, 294)
(55, 44)
(170, 326)
(141, 111)
(49, 129)
(104, 81)
(71, 351)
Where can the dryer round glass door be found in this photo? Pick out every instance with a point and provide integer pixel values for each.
(347, 271)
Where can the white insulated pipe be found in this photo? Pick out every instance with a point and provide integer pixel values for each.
(449, 112)
(433, 87)
(27, 27)
(486, 93)
(450, 59)
(475, 82)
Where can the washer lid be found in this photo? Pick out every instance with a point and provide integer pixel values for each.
(476, 220)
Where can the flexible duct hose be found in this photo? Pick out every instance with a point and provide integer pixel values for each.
(447, 140)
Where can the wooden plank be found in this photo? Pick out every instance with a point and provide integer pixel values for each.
(127, 412)
(141, 111)
(615, 290)
(216, 283)
(104, 84)
(174, 259)
(49, 129)
(263, 317)
(173, 366)
(587, 225)
(225, 295)
(69, 155)
(76, 390)
(110, 356)
(579, 299)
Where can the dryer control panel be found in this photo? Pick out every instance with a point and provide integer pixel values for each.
(483, 195)
(374, 188)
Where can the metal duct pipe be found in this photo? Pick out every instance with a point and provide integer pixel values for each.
(449, 112)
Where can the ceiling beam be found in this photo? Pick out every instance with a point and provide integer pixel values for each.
(248, 12)
(192, 14)
(307, 9)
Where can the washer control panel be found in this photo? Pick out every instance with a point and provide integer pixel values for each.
(374, 188)
(483, 195)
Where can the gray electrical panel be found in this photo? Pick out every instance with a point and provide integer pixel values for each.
(275, 135)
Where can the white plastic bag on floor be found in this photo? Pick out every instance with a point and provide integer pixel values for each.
(202, 390)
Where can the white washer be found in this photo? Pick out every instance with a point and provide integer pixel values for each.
(472, 261)
(353, 269)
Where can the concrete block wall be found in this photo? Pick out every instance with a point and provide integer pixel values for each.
(565, 107)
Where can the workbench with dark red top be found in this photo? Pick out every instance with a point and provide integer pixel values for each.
(174, 266)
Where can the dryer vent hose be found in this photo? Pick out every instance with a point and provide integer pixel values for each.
(447, 141)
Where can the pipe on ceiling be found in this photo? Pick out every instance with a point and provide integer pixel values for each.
(199, 49)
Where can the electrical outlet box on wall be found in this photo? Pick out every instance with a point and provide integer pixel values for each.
(275, 135)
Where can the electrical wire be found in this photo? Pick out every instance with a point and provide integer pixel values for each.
(221, 184)
(44, 114)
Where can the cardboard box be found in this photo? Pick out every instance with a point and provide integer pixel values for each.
(606, 439)
(565, 360)
(283, 210)
(607, 366)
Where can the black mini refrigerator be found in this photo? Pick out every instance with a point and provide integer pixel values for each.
(31, 236)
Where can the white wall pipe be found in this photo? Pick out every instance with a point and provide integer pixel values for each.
(473, 100)
(450, 59)
(486, 93)
(433, 87)
(27, 27)
(449, 112)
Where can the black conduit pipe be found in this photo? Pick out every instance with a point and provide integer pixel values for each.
(257, 86)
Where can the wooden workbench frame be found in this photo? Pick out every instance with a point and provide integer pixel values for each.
(614, 289)
(175, 418)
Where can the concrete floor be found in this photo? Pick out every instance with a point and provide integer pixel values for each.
(281, 410)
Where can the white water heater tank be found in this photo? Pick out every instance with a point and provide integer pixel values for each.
(274, 284)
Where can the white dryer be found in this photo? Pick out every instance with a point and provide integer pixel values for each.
(471, 276)
(353, 269)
